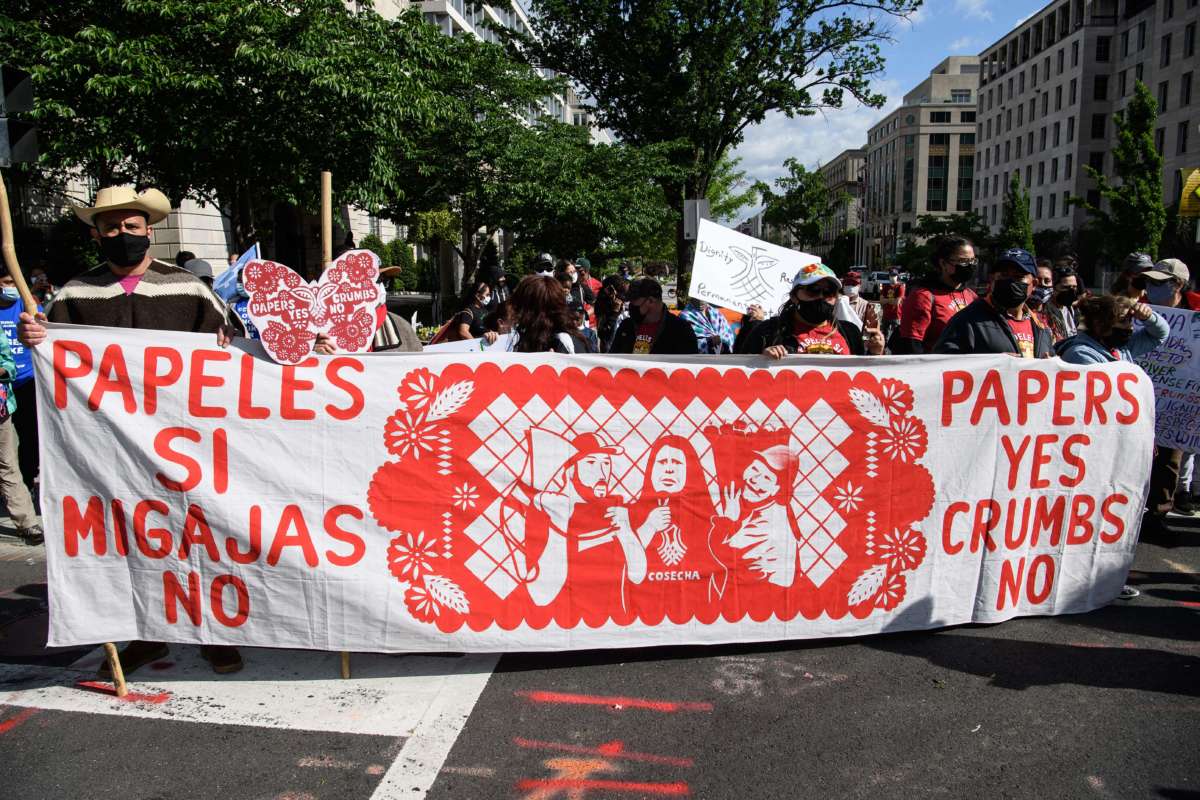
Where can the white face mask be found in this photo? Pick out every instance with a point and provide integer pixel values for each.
(851, 291)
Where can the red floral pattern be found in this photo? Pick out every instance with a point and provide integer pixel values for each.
(291, 345)
(353, 334)
(900, 550)
(905, 440)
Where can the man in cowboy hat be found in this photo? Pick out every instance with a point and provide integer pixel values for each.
(132, 290)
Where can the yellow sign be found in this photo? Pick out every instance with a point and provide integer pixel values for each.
(1189, 202)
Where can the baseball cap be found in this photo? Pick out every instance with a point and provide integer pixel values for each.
(199, 267)
(810, 274)
(1019, 257)
(1167, 269)
(1137, 262)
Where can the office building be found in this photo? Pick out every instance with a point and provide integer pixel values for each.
(843, 177)
(920, 159)
(1049, 91)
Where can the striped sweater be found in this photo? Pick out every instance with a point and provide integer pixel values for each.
(166, 298)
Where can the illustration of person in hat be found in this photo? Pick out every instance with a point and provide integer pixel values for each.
(755, 531)
(587, 550)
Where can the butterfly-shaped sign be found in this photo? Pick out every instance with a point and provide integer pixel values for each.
(346, 304)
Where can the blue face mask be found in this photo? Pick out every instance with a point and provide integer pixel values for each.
(10, 292)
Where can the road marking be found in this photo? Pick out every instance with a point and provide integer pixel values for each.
(614, 703)
(1175, 565)
(424, 752)
(609, 750)
(677, 789)
(288, 689)
(16, 720)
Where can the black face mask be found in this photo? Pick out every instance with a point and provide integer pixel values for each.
(124, 249)
(635, 312)
(815, 312)
(1009, 294)
(1066, 297)
(963, 271)
(1118, 338)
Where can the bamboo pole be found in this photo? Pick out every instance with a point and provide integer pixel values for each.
(326, 218)
(114, 664)
(10, 252)
(345, 664)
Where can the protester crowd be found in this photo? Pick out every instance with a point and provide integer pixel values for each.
(1024, 307)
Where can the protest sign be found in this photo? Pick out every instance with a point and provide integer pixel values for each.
(734, 271)
(1174, 367)
(346, 303)
(421, 502)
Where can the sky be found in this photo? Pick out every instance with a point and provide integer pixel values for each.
(939, 29)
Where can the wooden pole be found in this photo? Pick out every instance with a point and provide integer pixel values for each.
(345, 664)
(114, 664)
(10, 252)
(326, 218)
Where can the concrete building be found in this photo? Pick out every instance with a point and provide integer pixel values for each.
(843, 176)
(920, 159)
(1049, 90)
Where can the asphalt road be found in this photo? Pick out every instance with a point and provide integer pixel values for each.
(1099, 705)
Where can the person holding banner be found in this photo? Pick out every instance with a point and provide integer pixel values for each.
(17, 499)
(931, 303)
(132, 290)
(806, 325)
(1001, 322)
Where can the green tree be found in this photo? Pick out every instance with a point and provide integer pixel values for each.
(729, 192)
(841, 253)
(1016, 229)
(1051, 242)
(802, 204)
(697, 73)
(236, 103)
(1135, 218)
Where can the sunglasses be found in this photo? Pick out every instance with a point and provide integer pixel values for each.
(822, 291)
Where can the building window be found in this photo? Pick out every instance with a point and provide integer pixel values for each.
(965, 139)
(1168, 10)
(1162, 97)
(1061, 54)
(1054, 170)
(939, 117)
(1181, 137)
(1164, 52)
(1185, 90)
(1045, 103)
(1074, 54)
(1038, 205)
(1103, 47)
(1008, 151)
(1141, 35)
(1008, 120)
(1125, 44)
(1068, 162)
(1053, 198)
(1041, 172)
(935, 197)
(1020, 115)
(1057, 133)
(968, 116)
(1099, 124)
(1028, 175)
(966, 174)
(939, 140)
(989, 130)
(1093, 197)
(1074, 86)
(908, 183)
(1100, 88)
(1021, 82)
(1066, 204)
(1160, 140)
(960, 95)
(1042, 140)
(1189, 40)
(1029, 143)
(1096, 161)
(1124, 82)
(1137, 72)
(995, 184)
(1058, 98)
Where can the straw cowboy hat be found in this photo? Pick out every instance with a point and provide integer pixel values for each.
(153, 203)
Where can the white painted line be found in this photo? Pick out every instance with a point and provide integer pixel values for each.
(416, 768)
(399, 696)
(1175, 565)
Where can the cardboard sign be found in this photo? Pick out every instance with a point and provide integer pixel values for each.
(425, 502)
(346, 303)
(735, 271)
(1174, 367)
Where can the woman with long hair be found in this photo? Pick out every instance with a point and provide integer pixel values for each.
(672, 518)
(468, 323)
(610, 309)
(539, 318)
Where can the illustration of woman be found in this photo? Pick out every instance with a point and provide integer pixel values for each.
(672, 518)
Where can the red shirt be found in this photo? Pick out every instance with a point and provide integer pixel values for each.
(891, 295)
(1023, 330)
(819, 339)
(926, 312)
(644, 338)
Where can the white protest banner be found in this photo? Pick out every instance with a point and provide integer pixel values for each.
(1174, 367)
(541, 502)
(733, 270)
(502, 343)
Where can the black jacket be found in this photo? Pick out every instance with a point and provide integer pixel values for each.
(980, 328)
(766, 333)
(675, 337)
